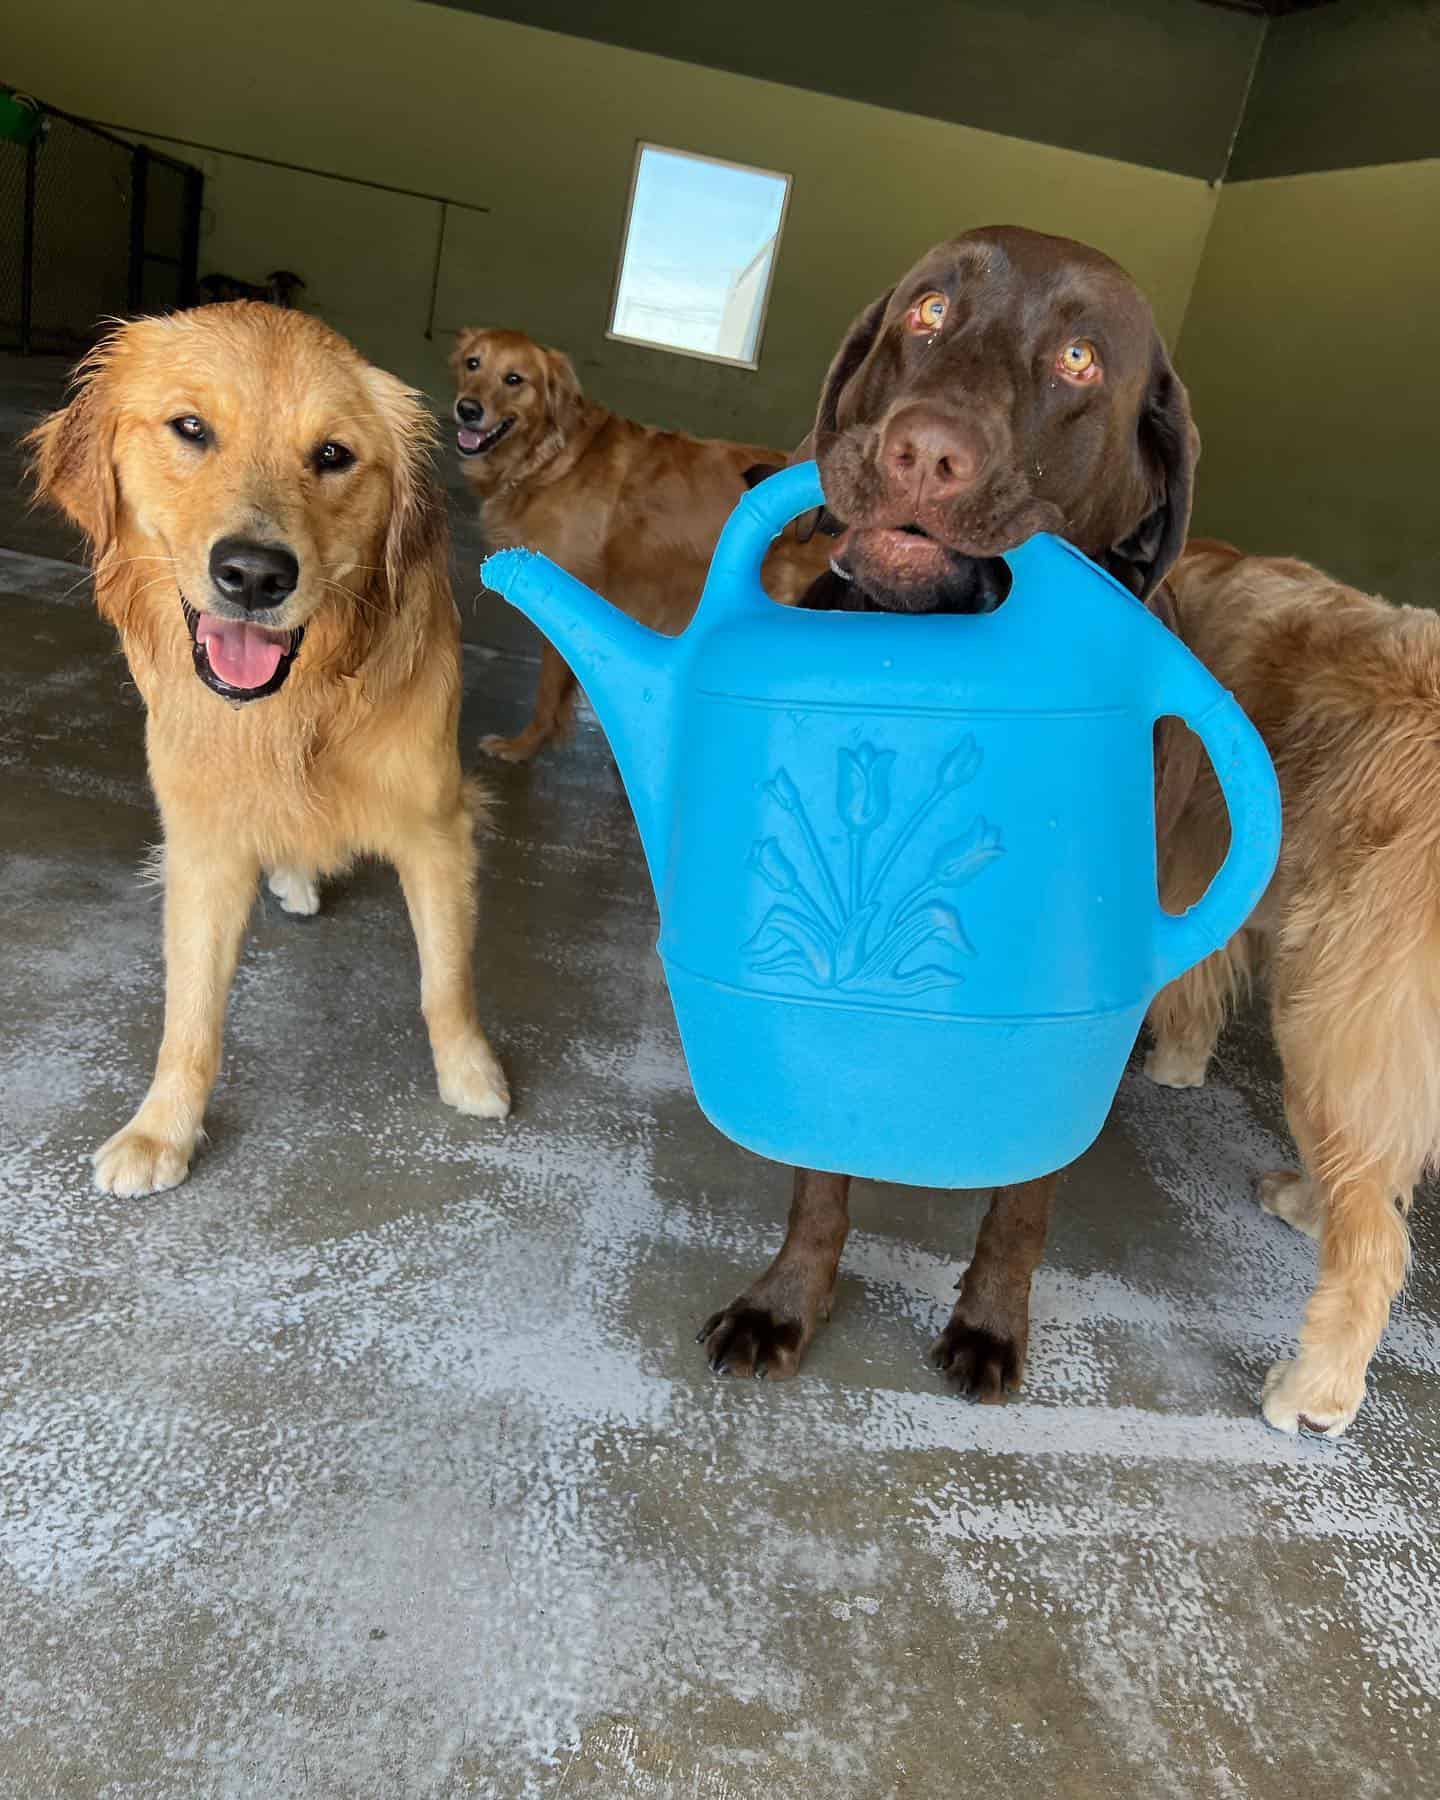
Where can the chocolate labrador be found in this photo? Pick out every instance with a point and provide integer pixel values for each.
(1009, 383)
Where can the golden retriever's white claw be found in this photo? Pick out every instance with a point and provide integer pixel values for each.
(1295, 1401)
(472, 1081)
(296, 891)
(133, 1163)
(1169, 1065)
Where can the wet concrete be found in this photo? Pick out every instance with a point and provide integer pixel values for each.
(378, 1460)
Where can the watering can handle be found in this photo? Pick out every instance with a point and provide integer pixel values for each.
(733, 583)
(1252, 798)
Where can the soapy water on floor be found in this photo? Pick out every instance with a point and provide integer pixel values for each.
(378, 1458)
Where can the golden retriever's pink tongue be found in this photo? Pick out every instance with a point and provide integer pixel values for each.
(241, 654)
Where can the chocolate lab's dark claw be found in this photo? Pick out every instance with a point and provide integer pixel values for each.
(980, 1363)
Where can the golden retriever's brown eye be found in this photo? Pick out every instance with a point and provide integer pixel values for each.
(472, 362)
(190, 428)
(1079, 360)
(514, 378)
(928, 312)
(332, 457)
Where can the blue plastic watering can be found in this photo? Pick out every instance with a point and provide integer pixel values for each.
(906, 865)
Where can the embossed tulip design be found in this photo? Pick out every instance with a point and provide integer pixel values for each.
(829, 931)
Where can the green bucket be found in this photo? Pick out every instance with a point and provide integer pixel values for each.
(21, 118)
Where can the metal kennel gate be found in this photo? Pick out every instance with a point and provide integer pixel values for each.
(90, 226)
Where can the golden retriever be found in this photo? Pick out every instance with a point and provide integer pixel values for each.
(1345, 690)
(630, 509)
(267, 540)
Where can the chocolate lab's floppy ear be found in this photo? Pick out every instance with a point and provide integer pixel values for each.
(1169, 448)
(72, 456)
(854, 348)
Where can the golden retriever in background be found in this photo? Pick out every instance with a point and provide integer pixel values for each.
(631, 510)
(267, 539)
(1345, 690)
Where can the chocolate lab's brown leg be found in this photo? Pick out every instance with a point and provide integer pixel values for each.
(982, 1349)
(767, 1329)
(554, 706)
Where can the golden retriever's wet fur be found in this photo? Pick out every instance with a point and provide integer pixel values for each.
(356, 753)
(1345, 690)
(632, 510)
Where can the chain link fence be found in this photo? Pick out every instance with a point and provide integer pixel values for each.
(91, 227)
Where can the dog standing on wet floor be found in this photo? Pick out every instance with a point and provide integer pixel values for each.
(268, 540)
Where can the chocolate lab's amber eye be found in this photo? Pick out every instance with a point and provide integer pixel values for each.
(190, 428)
(928, 312)
(1079, 360)
(472, 362)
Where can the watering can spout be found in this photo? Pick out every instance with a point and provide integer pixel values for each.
(626, 670)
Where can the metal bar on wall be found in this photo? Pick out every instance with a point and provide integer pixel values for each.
(435, 272)
(190, 242)
(139, 187)
(27, 246)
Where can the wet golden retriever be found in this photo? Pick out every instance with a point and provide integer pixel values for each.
(268, 542)
(630, 509)
(1345, 689)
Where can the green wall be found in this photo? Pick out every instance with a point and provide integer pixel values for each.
(1310, 354)
(1351, 84)
(1307, 343)
(541, 129)
(1160, 82)
(1310, 295)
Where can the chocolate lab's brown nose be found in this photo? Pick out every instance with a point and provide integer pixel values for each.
(931, 452)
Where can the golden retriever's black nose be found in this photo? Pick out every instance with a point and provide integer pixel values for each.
(927, 451)
(255, 576)
(469, 412)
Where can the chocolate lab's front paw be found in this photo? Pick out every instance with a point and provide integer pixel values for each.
(751, 1337)
(986, 1364)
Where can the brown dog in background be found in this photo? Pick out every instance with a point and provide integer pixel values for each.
(268, 541)
(1345, 690)
(1009, 383)
(631, 510)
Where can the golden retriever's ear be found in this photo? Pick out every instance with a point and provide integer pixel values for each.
(565, 397)
(415, 529)
(72, 461)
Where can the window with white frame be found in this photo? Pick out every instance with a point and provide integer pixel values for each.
(698, 255)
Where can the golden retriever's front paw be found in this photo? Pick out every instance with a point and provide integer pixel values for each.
(297, 891)
(1295, 1400)
(1169, 1065)
(133, 1163)
(510, 749)
(472, 1081)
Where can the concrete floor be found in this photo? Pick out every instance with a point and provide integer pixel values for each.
(378, 1460)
